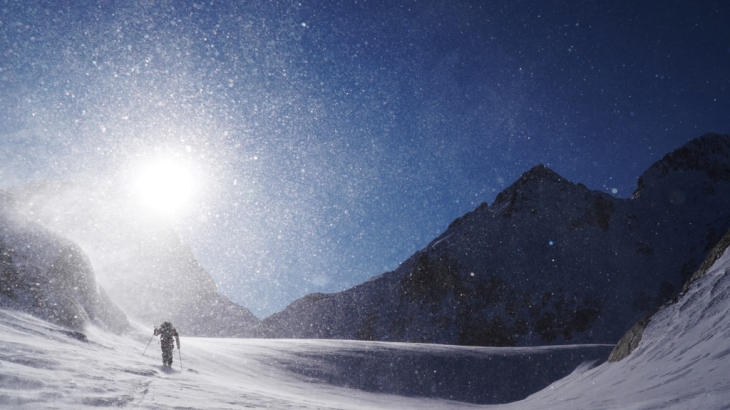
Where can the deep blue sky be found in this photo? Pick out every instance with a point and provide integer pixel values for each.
(337, 138)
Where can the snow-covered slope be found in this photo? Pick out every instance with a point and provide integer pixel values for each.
(681, 362)
(145, 267)
(549, 261)
(42, 366)
(49, 276)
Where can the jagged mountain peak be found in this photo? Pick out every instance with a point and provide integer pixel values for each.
(540, 171)
(550, 261)
(536, 188)
(538, 177)
(708, 153)
(539, 174)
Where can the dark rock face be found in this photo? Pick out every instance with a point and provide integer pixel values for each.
(709, 154)
(630, 341)
(143, 264)
(549, 262)
(711, 258)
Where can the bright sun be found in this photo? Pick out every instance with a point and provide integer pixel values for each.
(164, 185)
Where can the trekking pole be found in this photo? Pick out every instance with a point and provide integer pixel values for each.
(180, 354)
(148, 345)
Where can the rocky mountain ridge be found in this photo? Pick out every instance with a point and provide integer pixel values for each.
(549, 262)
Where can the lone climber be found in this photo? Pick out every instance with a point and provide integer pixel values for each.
(166, 333)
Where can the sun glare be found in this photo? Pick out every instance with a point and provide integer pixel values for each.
(164, 186)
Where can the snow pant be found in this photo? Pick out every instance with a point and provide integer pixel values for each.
(167, 355)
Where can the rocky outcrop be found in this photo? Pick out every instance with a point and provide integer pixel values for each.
(630, 341)
(710, 260)
(549, 262)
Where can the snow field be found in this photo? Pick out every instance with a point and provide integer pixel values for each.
(682, 362)
(46, 366)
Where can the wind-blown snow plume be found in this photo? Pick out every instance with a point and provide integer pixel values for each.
(149, 272)
(49, 276)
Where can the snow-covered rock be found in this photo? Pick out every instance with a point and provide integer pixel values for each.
(49, 276)
(142, 262)
(549, 262)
